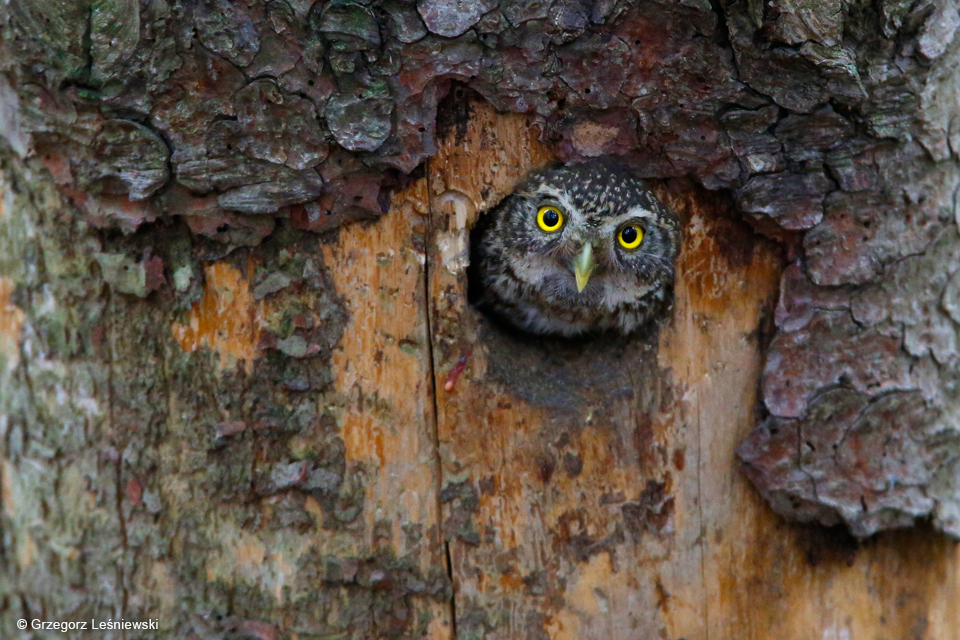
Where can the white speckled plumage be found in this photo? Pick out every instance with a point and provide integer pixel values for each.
(526, 273)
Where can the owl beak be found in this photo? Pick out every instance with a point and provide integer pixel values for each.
(583, 266)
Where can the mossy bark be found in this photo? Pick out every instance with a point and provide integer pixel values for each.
(241, 391)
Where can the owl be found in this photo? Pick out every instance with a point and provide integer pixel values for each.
(577, 249)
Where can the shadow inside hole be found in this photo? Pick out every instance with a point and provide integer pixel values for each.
(597, 375)
(600, 376)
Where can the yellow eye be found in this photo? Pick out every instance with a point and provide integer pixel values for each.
(631, 237)
(549, 219)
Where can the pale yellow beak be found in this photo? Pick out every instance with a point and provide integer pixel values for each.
(583, 265)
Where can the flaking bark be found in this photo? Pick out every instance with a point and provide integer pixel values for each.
(165, 155)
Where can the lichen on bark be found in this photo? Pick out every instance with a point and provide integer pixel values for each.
(832, 125)
(128, 447)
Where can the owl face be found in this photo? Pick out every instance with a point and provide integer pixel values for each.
(579, 248)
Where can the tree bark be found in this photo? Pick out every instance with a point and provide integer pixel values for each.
(242, 391)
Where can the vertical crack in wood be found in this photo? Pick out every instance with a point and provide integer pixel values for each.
(453, 592)
(434, 418)
(703, 531)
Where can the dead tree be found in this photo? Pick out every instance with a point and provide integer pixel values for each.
(242, 391)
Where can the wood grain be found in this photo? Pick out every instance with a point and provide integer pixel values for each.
(569, 490)
(382, 372)
(591, 491)
(381, 400)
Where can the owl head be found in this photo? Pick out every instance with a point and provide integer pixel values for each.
(576, 249)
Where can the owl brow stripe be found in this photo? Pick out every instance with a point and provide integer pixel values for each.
(614, 222)
(640, 212)
(560, 196)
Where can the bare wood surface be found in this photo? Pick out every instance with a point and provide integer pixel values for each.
(381, 402)
(209, 418)
(830, 125)
(581, 490)
(618, 511)
(382, 369)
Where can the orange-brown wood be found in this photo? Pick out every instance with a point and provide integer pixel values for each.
(383, 375)
(223, 320)
(382, 401)
(572, 490)
(11, 319)
(544, 444)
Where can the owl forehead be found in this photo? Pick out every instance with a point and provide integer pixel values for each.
(596, 193)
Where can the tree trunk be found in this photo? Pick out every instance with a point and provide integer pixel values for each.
(242, 391)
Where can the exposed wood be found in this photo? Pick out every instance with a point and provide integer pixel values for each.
(288, 499)
(539, 463)
(577, 499)
(242, 391)
(383, 371)
(831, 125)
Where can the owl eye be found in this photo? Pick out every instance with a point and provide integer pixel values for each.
(631, 237)
(549, 219)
